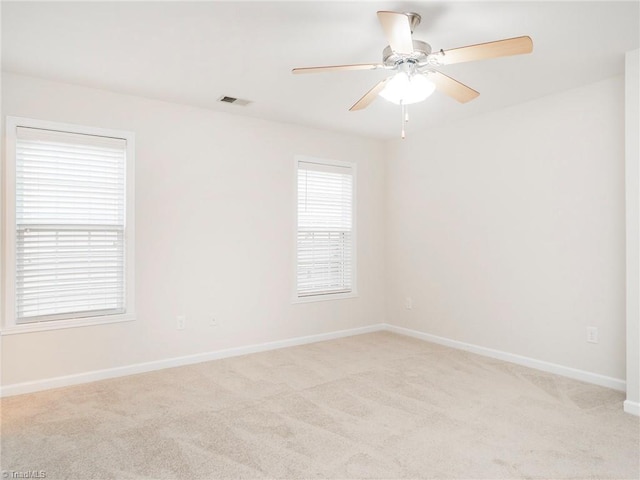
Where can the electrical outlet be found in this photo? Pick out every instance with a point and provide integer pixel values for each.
(213, 322)
(592, 334)
(181, 322)
(408, 303)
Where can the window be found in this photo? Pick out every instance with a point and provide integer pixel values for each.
(325, 267)
(69, 225)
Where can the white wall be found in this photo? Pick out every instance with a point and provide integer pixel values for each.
(214, 233)
(508, 230)
(632, 172)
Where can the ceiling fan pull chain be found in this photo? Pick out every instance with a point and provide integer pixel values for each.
(402, 118)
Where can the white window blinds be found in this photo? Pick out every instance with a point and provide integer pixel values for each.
(325, 229)
(70, 225)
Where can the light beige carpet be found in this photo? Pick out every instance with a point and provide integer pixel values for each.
(372, 406)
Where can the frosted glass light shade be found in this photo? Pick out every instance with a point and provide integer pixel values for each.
(407, 89)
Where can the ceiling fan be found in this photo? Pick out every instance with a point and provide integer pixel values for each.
(414, 64)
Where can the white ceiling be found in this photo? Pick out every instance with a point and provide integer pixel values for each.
(195, 52)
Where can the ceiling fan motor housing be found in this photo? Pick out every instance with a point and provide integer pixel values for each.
(421, 52)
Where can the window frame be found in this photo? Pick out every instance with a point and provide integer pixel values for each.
(323, 297)
(10, 325)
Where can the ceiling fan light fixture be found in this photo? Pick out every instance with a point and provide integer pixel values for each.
(406, 89)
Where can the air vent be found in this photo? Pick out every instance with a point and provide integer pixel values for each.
(236, 101)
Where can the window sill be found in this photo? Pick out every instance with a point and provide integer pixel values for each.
(71, 323)
(324, 298)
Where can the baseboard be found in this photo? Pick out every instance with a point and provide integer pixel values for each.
(589, 377)
(87, 377)
(632, 407)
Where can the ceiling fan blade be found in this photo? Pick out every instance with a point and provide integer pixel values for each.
(451, 87)
(370, 96)
(337, 68)
(482, 51)
(397, 29)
